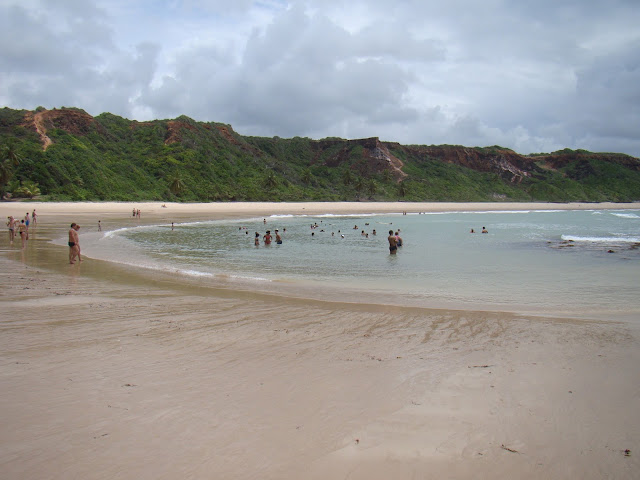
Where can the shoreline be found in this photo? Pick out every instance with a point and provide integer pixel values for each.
(109, 373)
(263, 208)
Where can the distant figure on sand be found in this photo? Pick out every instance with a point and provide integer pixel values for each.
(99, 226)
(73, 243)
(33, 217)
(393, 247)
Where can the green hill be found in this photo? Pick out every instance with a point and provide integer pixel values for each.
(66, 154)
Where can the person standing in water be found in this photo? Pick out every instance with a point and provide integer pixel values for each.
(74, 243)
(393, 247)
(267, 238)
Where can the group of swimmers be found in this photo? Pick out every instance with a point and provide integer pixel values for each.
(22, 227)
(267, 238)
(484, 230)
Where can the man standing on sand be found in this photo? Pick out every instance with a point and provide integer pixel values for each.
(74, 244)
(11, 223)
(393, 247)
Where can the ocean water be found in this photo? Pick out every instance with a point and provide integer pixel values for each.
(572, 262)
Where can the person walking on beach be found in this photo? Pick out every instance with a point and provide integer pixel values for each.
(74, 244)
(11, 223)
(99, 226)
(33, 217)
(393, 247)
(24, 235)
(26, 221)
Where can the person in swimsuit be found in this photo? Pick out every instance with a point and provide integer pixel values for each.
(267, 238)
(11, 223)
(22, 228)
(393, 247)
(257, 240)
(74, 247)
(398, 239)
(278, 238)
(33, 217)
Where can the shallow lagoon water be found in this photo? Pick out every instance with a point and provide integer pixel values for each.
(539, 261)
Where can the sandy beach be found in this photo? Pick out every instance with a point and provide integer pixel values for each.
(107, 372)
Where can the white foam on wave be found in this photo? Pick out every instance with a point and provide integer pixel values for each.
(574, 238)
(626, 215)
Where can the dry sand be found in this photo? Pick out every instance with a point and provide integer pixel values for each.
(110, 373)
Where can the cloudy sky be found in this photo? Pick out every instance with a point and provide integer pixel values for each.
(532, 76)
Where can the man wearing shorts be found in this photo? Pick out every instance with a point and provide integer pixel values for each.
(393, 246)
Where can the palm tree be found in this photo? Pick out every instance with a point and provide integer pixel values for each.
(6, 172)
(372, 187)
(9, 152)
(402, 189)
(306, 176)
(9, 159)
(358, 185)
(176, 184)
(270, 181)
(347, 178)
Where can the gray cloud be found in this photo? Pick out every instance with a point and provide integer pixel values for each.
(529, 76)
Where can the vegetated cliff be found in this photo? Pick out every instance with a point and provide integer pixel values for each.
(75, 156)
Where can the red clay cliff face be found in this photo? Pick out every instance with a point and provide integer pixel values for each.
(375, 158)
(504, 162)
(76, 122)
(174, 131)
(364, 156)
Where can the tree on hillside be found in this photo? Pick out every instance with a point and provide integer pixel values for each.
(270, 181)
(359, 186)
(306, 176)
(372, 187)
(176, 184)
(347, 178)
(9, 159)
(402, 189)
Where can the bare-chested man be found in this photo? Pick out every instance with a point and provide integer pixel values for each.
(393, 246)
(11, 223)
(74, 243)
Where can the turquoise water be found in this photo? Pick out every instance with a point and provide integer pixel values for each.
(546, 261)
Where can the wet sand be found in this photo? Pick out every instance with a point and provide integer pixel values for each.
(107, 372)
